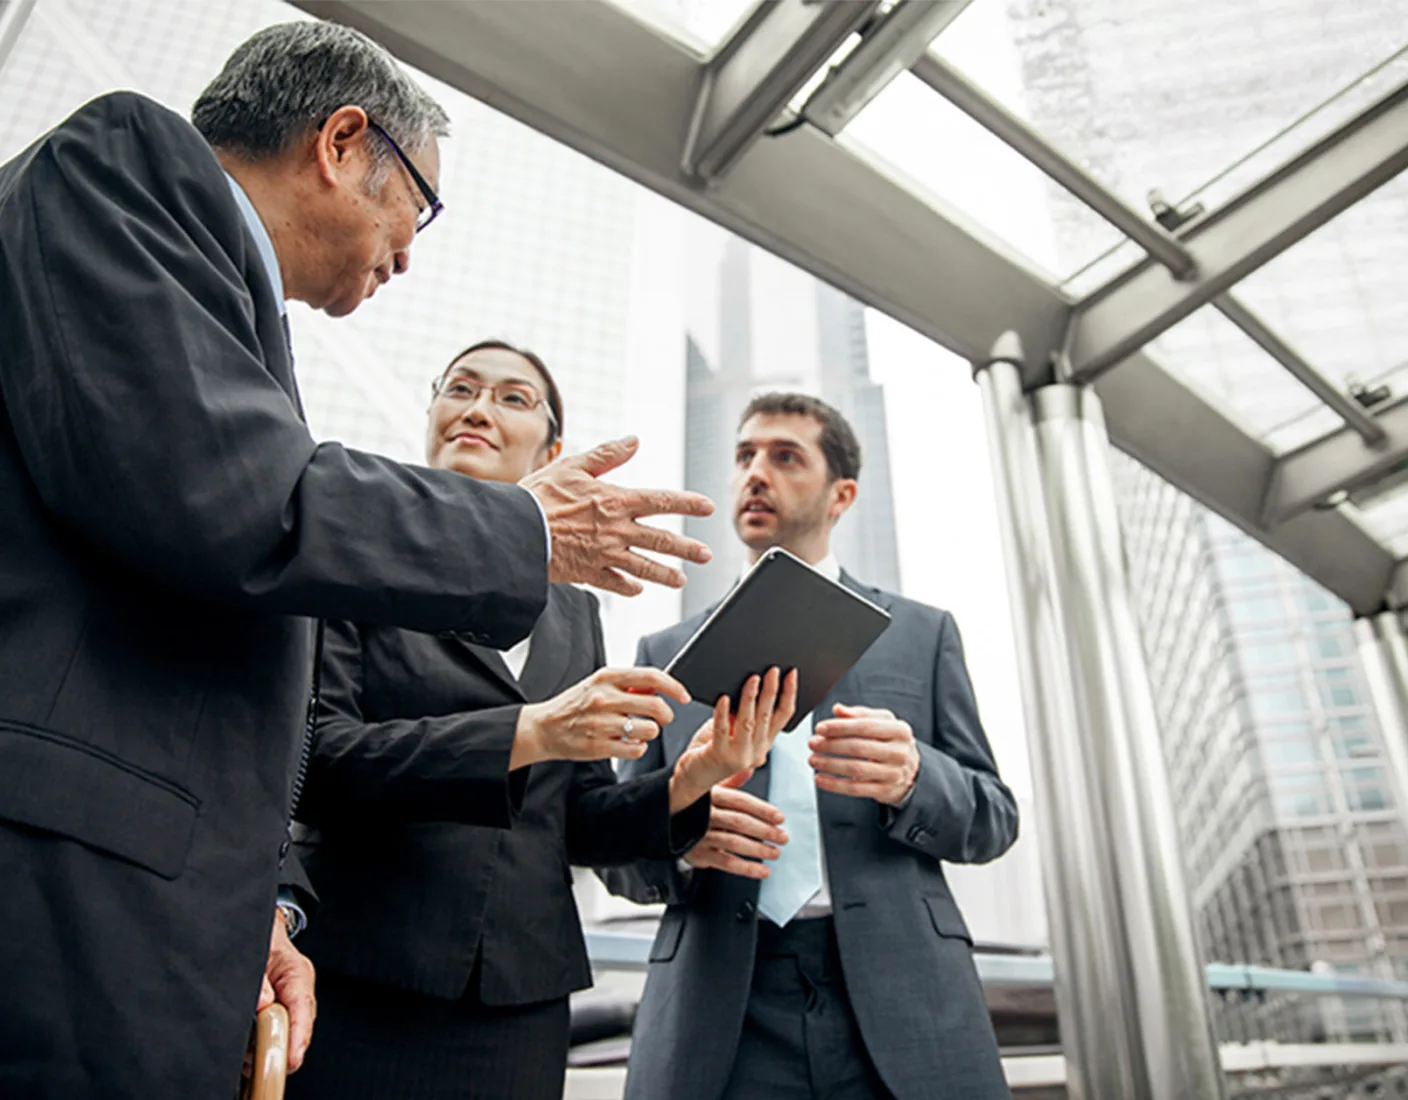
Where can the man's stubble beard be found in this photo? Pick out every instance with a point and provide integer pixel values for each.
(792, 531)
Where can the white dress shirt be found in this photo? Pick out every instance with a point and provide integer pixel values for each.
(517, 657)
(820, 905)
(262, 241)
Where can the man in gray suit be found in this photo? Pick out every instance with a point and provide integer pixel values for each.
(811, 947)
(170, 528)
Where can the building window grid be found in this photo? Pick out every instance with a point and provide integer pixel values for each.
(1298, 619)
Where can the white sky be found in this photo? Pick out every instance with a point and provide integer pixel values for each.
(946, 518)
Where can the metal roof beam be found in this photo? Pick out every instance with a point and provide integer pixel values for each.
(1343, 404)
(750, 81)
(948, 82)
(1158, 419)
(889, 47)
(1155, 240)
(1340, 462)
(1234, 240)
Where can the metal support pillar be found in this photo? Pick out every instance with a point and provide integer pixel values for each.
(1131, 989)
(1383, 651)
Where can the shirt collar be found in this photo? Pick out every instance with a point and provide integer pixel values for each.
(828, 567)
(262, 241)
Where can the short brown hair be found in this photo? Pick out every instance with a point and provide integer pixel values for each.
(554, 396)
(838, 439)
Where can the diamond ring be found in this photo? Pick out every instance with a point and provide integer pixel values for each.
(626, 729)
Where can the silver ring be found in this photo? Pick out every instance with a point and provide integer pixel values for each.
(626, 729)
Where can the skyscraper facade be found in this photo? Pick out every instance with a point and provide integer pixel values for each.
(781, 329)
(1297, 855)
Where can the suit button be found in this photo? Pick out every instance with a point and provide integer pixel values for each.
(915, 832)
(747, 911)
(654, 893)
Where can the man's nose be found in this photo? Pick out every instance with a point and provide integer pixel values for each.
(756, 473)
(401, 261)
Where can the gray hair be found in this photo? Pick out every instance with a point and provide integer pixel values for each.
(287, 79)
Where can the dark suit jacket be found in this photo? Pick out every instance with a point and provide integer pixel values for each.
(905, 950)
(409, 897)
(167, 523)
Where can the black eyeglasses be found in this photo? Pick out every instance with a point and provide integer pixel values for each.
(433, 205)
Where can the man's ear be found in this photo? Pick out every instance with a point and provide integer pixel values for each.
(343, 135)
(843, 495)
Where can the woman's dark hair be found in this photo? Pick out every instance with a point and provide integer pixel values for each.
(554, 396)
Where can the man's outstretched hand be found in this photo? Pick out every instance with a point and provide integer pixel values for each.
(594, 524)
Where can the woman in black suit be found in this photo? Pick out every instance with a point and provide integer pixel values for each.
(446, 952)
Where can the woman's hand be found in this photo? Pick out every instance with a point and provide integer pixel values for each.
(613, 712)
(724, 747)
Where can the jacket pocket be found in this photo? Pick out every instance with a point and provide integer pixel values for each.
(948, 921)
(667, 938)
(57, 785)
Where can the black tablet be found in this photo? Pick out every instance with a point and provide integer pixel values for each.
(782, 613)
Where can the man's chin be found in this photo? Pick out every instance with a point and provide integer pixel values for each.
(757, 537)
(342, 307)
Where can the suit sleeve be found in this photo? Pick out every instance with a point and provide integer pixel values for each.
(960, 810)
(151, 425)
(647, 881)
(452, 768)
(296, 885)
(611, 823)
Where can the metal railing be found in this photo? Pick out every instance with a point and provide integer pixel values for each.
(1281, 1032)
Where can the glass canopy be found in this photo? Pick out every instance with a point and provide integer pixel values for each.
(1128, 93)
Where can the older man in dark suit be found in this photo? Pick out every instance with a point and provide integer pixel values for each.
(811, 948)
(170, 527)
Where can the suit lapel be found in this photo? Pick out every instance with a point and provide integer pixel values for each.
(546, 666)
(839, 807)
(292, 375)
(491, 663)
(548, 663)
(874, 595)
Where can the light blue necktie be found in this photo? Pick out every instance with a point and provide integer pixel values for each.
(795, 875)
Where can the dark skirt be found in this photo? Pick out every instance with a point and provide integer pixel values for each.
(373, 1042)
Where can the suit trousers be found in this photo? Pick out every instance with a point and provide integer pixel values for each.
(375, 1042)
(800, 1039)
